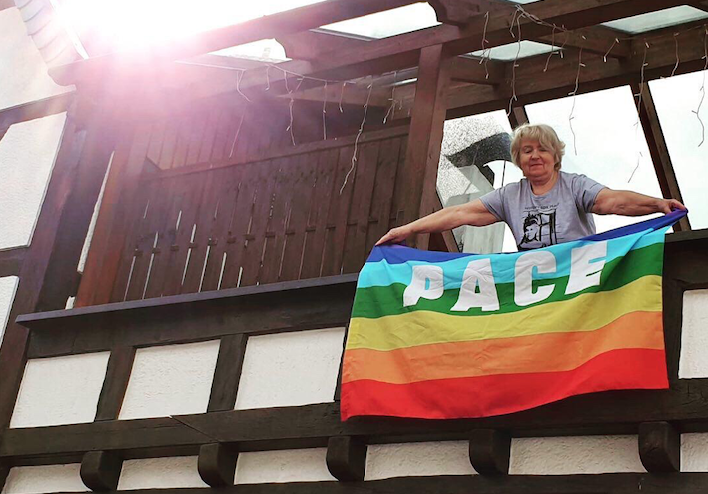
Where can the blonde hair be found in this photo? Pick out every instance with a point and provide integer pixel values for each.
(542, 133)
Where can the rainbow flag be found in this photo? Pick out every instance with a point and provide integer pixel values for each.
(442, 335)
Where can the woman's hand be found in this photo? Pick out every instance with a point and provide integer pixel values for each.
(396, 235)
(668, 205)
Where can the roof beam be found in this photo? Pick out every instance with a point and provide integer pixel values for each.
(560, 77)
(270, 26)
(399, 52)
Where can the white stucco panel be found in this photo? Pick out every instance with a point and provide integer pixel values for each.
(8, 288)
(694, 335)
(22, 71)
(290, 369)
(60, 390)
(27, 153)
(156, 473)
(170, 380)
(293, 465)
(418, 459)
(44, 478)
(575, 455)
(694, 452)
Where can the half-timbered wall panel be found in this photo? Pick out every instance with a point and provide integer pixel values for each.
(694, 335)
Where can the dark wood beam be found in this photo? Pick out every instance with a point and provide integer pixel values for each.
(660, 447)
(595, 39)
(489, 451)
(459, 12)
(100, 470)
(271, 26)
(699, 5)
(473, 71)
(559, 80)
(6, 4)
(35, 109)
(658, 148)
(346, 458)
(115, 384)
(11, 261)
(518, 116)
(217, 464)
(425, 135)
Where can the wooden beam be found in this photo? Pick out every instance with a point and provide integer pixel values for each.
(595, 39)
(100, 470)
(115, 384)
(346, 458)
(425, 135)
(36, 109)
(11, 261)
(518, 116)
(227, 375)
(217, 464)
(596, 74)
(312, 44)
(658, 148)
(459, 12)
(489, 451)
(7, 4)
(270, 26)
(465, 69)
(660, 447)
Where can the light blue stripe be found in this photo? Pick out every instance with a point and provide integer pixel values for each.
(381, 273)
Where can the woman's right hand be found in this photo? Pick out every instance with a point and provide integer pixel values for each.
(396, 235)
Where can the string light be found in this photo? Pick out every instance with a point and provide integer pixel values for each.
(604, 58)
(356, 141)
(703, 87)
(515, 64)
(239, 76)
(574, 94)
(677, 54)
(324, 113)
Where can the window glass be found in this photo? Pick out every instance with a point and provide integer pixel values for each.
(473, 161)
(657, 20)
(677, 99)
(606, 143)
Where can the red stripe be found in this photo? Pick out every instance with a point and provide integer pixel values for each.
(485, 396)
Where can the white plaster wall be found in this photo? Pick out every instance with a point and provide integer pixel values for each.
(70, 384)
(417, 459)
(45, 478)
(290, 369)
(694, 452)
(693, 362)
(22, 71)
(170, 380)
(156, 473)
(575, 455)
(295, 465)
(27, 153)
(8, 288)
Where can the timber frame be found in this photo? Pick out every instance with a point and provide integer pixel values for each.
(120, 104)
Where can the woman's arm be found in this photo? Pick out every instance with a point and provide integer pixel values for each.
(473, 213)
(628, 203)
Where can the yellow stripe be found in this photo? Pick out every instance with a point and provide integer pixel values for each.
(585, 312)
(550, 352)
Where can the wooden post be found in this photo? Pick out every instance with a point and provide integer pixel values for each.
(489, 451)
(518, 117)
(425, 136)
(659, 447)
(658, 149)
(52, 235)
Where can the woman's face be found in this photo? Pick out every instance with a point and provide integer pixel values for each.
(536, 161)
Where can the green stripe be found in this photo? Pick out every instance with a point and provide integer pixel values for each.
(379, 301)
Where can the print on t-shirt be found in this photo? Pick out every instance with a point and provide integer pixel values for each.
(539, 229)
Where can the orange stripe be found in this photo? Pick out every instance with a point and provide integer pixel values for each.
(548, 352)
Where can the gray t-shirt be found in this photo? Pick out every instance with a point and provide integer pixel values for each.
(560, 215)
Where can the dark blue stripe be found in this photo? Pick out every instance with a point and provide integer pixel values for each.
(398, 254)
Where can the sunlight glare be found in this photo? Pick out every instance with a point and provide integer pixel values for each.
(135, 24)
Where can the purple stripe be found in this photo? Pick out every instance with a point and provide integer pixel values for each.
(398, 254)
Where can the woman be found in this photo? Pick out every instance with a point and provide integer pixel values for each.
(546, 207)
